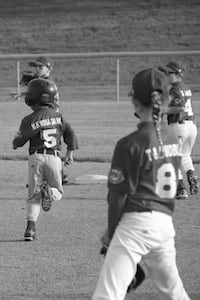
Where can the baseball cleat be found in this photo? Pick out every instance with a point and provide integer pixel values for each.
(137, 280)
(30, 233)
(181, 194)
(65, 179)
(46, 194)
(194, 185)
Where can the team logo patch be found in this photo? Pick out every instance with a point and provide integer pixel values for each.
(116, 176)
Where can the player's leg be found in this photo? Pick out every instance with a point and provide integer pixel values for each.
(161, 265)
(187, 161)
(180, 131)
(118, 270)
(51, 189)
(34, 196)
(132, 240)
(181, 189)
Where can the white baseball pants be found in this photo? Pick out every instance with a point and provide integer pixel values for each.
(42, 167)
(148, 236)
(188, 132)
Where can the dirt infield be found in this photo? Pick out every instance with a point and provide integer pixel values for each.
(64, 262)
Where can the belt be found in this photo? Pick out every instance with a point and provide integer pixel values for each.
(47, 151)
(183, 121)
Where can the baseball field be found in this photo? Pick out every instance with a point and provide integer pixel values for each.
(63, 263)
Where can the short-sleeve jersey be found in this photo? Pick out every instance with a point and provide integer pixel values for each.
(181, 97)
(145, 171)
(44, 128)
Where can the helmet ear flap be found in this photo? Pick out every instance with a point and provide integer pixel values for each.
(29, 101)
(44, 99)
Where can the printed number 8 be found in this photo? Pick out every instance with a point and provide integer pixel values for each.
(166, 184)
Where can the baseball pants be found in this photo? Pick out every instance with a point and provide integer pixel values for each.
(148, 236)
(42, 167)
(188, 132)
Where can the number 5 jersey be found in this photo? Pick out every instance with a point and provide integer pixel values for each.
(44, 128)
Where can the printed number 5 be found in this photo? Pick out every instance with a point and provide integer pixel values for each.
(166, 181)
(49, 137)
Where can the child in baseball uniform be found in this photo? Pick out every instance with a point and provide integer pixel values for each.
(44, 129)
(43, 67)
(142, 187)
(182, 124)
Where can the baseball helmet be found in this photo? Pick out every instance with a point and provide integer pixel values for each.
(175, 67)
(40, 92)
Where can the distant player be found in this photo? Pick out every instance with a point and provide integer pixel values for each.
(182, 124)
(43, 68)
(141, 197)
(44, 129)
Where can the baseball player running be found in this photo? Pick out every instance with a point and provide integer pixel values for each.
(182, 124)
(43, 67)
(141, 197)
(43, 128)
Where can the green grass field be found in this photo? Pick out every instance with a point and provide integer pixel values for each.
(64, 262)
(98, 126)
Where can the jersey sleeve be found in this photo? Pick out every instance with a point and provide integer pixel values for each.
(123, 173)
(22, 136)
(69, 136)
(177, 98)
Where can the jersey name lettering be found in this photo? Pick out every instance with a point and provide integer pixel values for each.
(186, 93)
(165, 151)
(46, 122)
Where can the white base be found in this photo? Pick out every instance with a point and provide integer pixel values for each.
(88, 179)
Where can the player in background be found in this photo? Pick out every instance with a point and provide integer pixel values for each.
(44, 129)
(141, 198)
(43, 68)
(182, 124)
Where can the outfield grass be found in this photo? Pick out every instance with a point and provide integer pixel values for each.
(98, 126)
(64, 262)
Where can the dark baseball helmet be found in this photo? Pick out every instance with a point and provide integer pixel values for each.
(175, 67)
(40, 92)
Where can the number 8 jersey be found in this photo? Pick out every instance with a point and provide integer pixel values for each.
(44, 128)
(146, 171)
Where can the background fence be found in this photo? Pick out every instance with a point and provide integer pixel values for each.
(95, 76)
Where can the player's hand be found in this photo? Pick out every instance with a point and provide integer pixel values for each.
(68, 160)
(105, 241)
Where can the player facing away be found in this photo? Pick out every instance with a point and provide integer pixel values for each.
(182, 124)
(44, 129)
(43, 67)
(142, 188)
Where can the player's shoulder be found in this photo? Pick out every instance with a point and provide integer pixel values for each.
(28, 118)
(129, 142)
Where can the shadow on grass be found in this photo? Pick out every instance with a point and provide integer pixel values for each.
(12, 241)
